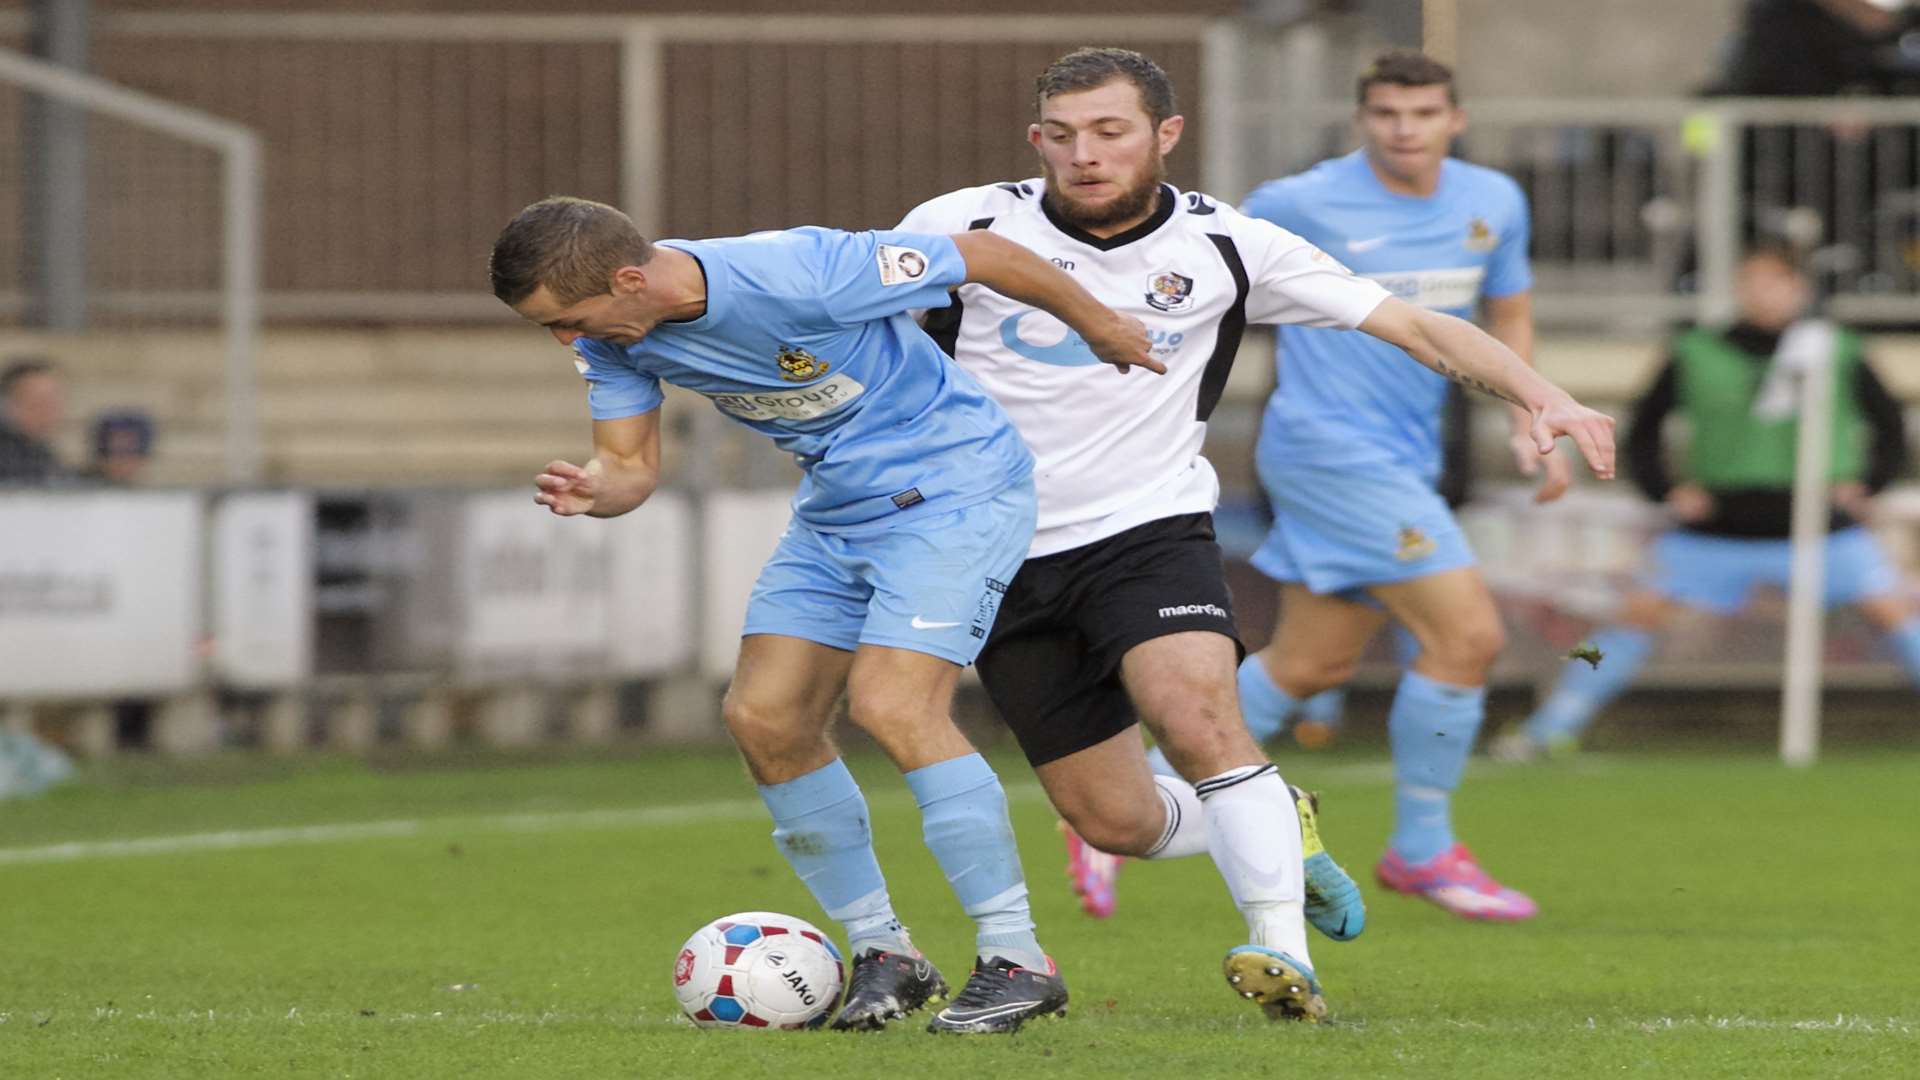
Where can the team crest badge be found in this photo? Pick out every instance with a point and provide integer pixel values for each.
(1168, 291)
(799, 365)
(1414, 545)
(1480, 236)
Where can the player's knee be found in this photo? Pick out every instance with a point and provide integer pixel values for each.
(1303, 675)
(875, 711)
(1117, 828)
(761, 730)
(1485, 642)
(1468, 651)
(1886, 613)
(1646, 611)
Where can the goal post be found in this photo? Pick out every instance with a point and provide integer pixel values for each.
(1809, 346)
(239, 150)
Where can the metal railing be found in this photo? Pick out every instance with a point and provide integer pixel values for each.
(399, 143)
(1641, 207)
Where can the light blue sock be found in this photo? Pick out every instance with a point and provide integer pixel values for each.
(1406, 647)
(1326, 708)
(1584, 689)
(1905, 639)
(1262, 703)
(1431, 730)
(963, 816)
(820, 825)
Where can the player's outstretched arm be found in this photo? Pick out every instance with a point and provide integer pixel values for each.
(1019, 274)
(1470, 356)
(622, 474)
(1510, 320)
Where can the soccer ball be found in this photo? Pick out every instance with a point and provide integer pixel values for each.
(758, 969)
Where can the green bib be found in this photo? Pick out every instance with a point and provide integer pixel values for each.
(1733, 448)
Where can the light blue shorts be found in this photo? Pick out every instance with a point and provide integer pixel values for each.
(1717, 573)
(1339, 528)
(932, 584)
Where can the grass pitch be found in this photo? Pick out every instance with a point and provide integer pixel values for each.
(1703, 915)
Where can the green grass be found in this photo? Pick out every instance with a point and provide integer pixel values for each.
(1703, 916)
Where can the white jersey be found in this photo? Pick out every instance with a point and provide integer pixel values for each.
(1113, 452)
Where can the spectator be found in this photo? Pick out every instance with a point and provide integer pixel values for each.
(1733, 506)
(33, 404)
(122, 448)
(1809, 48)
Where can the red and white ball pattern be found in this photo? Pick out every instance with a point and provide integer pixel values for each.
(758, 969)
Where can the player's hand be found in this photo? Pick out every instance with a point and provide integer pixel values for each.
(1121, 340)
(1591, 431)
(566, 488)
(1690, 503)
(1558, 473)
(1854, 500)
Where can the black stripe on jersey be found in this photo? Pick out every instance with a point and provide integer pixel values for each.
(1233, 324)
(1162, 212)
(943, 324)
(1018, 191)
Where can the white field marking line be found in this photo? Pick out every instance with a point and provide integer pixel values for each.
(1840, 1023)
(543, 821)
(1888, 1025)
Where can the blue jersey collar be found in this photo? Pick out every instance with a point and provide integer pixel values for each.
(716, 287)
(1365, 168)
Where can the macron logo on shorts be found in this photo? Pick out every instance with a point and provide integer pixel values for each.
(1178, 610)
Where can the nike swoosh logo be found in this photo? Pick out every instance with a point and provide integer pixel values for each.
(1359, 247)
(922, 624)
(993, 1012)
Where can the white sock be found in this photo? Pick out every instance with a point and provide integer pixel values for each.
(1186, 831)
(1253, 833)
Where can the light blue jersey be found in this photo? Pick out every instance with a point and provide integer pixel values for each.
(1445, 252)
(806, 339)
(1349, 448)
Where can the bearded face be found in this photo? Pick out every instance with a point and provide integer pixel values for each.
(1102, 156)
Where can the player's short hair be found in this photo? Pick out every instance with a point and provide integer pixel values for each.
(21, 368)
(572, 246)
(1405, 67)
(1089, 68)
(1778, 251)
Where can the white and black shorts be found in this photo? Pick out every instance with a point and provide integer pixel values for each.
(1052, 662)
